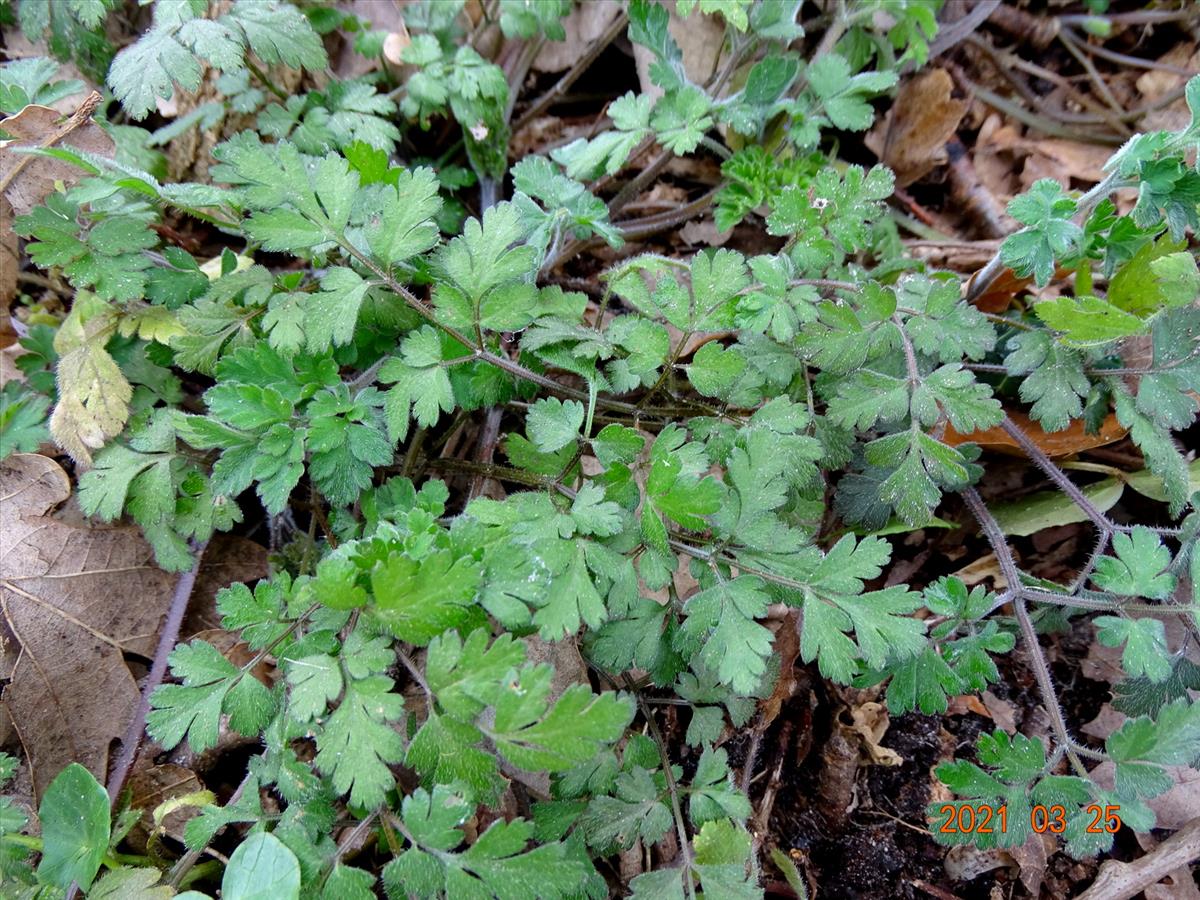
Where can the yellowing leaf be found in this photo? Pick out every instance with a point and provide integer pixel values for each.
(1176, 278)
(93, 401)
(1088, 321)
(212, 268)
(1139, 288)
(93, 393)
(150, 323)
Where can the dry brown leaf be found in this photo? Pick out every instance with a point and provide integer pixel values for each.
(1007, 162)
(1057, 158)
(703, 231)
(994, 157)
(982, 569)
(871, 722)
(787, 645)
(583, 25)
(1003, 713)
(542, 131)
(1066, 159)
(1007, 285)
(74, 601)
(1001, 292)
(376, 15)
(1031, 858)
(1178, 885)
(1174, 808)
(700, 38)
(8, 364)
(26, 180)
(967, 704)
(685, 584)
(1106, 722)
(966, 863)
(1071, 440)
(1156, 83)
(1102, 664)
(151, 787)
(1178, 805)
(394, 44)
(938, 792)
(10, 263)
(704, 170)
(912, 139)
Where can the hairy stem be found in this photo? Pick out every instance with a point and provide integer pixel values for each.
(1033, 648)
(158, 669)
(673, 790)
(1058, 476)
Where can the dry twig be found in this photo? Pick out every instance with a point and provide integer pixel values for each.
(1121, 880)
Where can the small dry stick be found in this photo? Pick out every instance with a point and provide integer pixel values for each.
(489, 435)
(597, 47)
(952, 34)
(1121, 880)
(79, 117)
(166, 643)
(970, 191)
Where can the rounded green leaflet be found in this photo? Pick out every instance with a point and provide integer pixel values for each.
(262, 868)
(75, 828)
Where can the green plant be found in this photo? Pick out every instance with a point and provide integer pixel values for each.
(342, 336)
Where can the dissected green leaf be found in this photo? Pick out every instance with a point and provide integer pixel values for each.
(689, 441)
(554, 423)
(1138, 568)
(1145, 643)
(416, 600)
(1050, 234)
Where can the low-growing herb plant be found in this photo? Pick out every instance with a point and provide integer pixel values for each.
(752, 427)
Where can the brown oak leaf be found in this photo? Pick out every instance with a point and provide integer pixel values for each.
(75, 603)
